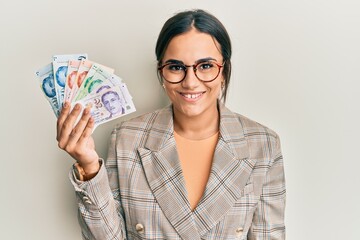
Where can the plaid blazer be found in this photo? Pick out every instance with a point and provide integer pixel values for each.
(139, 192)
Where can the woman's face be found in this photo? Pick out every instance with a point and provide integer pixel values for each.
(192, 97)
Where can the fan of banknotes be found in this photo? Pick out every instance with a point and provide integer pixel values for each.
(75, 79)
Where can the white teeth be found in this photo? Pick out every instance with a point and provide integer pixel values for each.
(192, 95)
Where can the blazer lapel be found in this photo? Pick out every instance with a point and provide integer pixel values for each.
(164, 175)
(230, 171)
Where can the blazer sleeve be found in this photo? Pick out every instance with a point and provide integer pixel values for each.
(268, 219)
(99, 210)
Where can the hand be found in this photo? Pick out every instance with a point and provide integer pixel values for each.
(76, 140)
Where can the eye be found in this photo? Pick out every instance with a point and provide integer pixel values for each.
(175, 67)
(205, 66)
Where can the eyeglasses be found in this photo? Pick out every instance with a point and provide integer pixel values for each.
(175, 72)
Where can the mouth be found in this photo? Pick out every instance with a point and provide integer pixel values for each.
(192, 96)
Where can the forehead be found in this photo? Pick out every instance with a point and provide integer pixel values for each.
(191, 46)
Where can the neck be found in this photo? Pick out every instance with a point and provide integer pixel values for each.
(197, 127)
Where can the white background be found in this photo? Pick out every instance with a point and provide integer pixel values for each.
(295, 69)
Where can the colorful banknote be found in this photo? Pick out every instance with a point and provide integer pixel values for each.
(96, 80)
(83, 70)
(47, 85)
(72, 71)
(96, 77)
(108, 104)
(75, 79)
(60, 68)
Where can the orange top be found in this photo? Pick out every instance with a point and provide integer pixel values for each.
(196, 158)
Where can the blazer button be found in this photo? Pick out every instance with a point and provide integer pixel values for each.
(239, 231)
(139, 228)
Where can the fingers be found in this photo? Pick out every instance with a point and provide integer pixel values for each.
(87, 132)
(79, 131)
(63, 115)
(66, 123)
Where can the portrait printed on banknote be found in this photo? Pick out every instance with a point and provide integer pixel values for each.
(113, 103)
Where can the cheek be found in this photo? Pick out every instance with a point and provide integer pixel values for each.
(170, 92)
(215, 89)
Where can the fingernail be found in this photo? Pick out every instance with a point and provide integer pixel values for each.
(66, 105)
(77, 106)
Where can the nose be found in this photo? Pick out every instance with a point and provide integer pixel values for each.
(190, 81)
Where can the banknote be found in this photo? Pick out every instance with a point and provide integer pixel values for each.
(126, 92)
(84, 68)
(73, 67)
(60, 67)
(47, 85)
(94, 83)
(85, 82)
(107, 105)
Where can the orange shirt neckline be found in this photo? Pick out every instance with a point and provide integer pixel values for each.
(196, 158)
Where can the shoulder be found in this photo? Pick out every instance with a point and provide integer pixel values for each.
(261, 140)
(254, 128)
(248, 126)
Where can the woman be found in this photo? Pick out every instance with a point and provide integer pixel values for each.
(193, 170)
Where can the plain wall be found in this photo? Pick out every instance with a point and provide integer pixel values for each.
(296, 69)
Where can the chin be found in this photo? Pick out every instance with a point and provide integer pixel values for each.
(193, 111)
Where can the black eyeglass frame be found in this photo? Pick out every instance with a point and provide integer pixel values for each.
(194, 66)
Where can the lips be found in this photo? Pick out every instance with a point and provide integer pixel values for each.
(192, 95)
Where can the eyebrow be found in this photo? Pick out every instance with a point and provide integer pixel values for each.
(197, 61)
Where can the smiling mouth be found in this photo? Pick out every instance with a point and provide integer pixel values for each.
(192, 96)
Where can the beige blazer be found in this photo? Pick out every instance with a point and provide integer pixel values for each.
(141, 193)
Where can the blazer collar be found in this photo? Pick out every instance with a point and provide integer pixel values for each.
(231, 131)
(230, 171)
